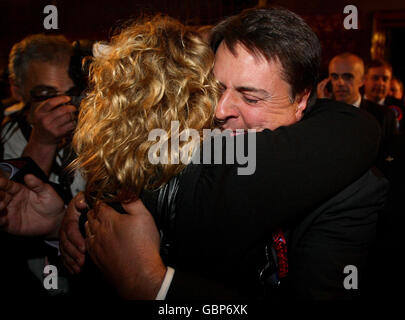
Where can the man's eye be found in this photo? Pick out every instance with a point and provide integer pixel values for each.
(250, 100)
(334, 76)
(347, 76)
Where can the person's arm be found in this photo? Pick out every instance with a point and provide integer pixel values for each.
(126, 249)
(223, 215)
(297, 168)
(51, 122)
(189, 285)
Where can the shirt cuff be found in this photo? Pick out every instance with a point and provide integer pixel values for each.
(53, 244)
(165, 284)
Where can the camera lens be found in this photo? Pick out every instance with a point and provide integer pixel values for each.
(42, 93)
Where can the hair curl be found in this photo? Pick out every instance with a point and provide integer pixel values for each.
(154, 72)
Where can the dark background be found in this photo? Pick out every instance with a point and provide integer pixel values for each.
(95, 19)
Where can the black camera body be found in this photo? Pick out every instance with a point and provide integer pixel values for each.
(76, 100)
(42, 93)
(329, 87)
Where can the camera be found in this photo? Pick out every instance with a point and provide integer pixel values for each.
(42, 93)
(328, 87)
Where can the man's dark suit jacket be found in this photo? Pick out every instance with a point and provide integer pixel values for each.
(311, 177)
(384, 115)
(339, 233)
(397, 105)
(387, 120)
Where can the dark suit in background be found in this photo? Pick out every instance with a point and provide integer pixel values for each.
(337, 234)
(389, 132)
(398, 107)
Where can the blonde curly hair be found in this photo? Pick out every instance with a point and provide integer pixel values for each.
(154, 72)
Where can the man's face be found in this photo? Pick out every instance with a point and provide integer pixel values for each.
(377, 83)
(395, 90)
(346, 76)
(254, 96)
(42, 76)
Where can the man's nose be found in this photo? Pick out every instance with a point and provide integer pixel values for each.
(226, 106)
(380, 81)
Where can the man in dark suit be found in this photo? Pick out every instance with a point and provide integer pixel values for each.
(219, 215)
(377, 85)
(224, 224)
(376, 88)
(377, 81)
(346, 74)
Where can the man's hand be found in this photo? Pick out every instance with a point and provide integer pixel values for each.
(52, 121)
(126, 249)
(322, 91)
(72, 245)
(32, 210)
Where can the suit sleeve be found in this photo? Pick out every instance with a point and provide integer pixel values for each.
(297, 167)
(193, 286)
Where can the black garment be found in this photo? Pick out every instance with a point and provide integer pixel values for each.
(16, 278)
(340, 233)
(389, 132)
(215, 231)
(389, 265)
(224, 220)
(65, 176)
(384, 115)
(398, 107)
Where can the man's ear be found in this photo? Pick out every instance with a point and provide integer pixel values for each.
(301, 101)
(16, 91)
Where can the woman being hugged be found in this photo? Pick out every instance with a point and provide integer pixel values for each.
(152, 74)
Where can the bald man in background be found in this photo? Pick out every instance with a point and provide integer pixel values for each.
(346, 74)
